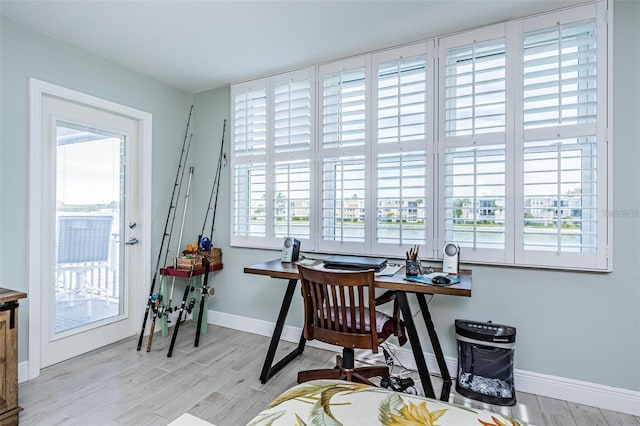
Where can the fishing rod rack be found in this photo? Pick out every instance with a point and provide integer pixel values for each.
(194, 266)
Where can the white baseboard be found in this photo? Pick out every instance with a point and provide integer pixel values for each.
(581, 392)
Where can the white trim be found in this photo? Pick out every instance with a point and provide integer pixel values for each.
(23, 371)
(608, 12)
(578, 391)
(38, 89)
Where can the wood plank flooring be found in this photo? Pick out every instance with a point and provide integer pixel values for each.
(218, 382)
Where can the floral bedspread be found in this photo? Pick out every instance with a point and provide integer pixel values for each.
(336, 402)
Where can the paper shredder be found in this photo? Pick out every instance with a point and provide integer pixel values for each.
(485, 361)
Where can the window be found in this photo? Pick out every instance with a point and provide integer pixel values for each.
(495, 139)
(343, 199)
(474, 141)
(249, 205)
(292, 130)
(402, 139)
(560, 75)
(564, 141)
(271, 153)
(248, 151)
(343, 137)
(560, 181)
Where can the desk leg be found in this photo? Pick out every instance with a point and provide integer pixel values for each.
(437, 349)
(268, 369)
(415, 344)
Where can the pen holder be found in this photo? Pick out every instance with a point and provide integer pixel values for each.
(413, 268)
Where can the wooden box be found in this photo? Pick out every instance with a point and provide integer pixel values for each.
(188, 259)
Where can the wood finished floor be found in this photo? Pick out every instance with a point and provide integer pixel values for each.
(218, 382)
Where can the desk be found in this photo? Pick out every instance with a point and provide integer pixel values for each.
(289, 271)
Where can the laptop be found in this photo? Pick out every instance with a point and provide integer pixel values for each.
(355, 263)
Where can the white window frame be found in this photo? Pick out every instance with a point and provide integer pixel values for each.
(567, 260)
(435, 145)
(249, 159)
(292, 156)
(427, 49)
(479, 255)
(342, 152)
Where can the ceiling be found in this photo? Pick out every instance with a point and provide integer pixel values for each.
(200, 45)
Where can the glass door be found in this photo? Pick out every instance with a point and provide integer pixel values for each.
(89, 205)
(90, 202)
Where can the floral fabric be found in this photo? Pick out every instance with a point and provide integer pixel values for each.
(336, 402)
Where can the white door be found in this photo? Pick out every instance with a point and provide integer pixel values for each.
(90, 255)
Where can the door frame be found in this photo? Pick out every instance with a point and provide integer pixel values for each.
(38, 89)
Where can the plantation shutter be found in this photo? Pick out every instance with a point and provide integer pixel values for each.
(564, 142)
(249, 208)
(248, 162)
(401, 206)
(250, 122)
(402, 102)
(502, 149)
(292, 114)
(292, 133)
(474, 126)
(560, 75)
(343, 199)
(343, 135)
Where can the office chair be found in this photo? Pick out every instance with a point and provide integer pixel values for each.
(340, 309)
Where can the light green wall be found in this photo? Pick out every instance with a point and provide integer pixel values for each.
(584, 326)
(26, 54)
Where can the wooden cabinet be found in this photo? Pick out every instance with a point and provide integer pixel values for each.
(9, 409)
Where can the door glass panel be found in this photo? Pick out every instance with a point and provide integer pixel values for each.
(89, 203)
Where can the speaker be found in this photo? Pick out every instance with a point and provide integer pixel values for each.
(290, 250)
(451, 258)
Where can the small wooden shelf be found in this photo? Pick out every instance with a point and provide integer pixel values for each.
(9, 409)
(184, 273)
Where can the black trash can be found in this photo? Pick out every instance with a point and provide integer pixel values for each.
(485, 361)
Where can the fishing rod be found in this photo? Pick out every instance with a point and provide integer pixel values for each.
(188, 307)
(166, 308)
(216, 186)
(163, 309)
(184, 216)
(153, 299)
(183, 305)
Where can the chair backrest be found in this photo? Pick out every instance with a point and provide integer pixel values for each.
(339, 308)
(83, 239)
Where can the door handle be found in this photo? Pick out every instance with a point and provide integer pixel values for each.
(131, 241)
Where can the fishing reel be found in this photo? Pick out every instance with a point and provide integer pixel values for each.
(191, 304)
(209, 291)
